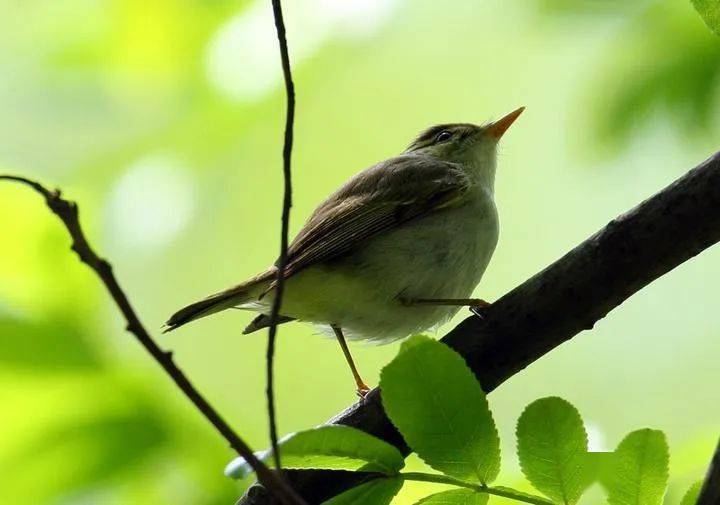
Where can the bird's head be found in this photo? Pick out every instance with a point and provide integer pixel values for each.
(465, 143)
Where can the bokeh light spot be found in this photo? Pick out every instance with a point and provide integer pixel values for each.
(242, 57)
(151, 203)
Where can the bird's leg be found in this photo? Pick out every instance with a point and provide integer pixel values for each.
(362, 388)
(465, 302)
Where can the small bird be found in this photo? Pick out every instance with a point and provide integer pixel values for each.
(397, 249)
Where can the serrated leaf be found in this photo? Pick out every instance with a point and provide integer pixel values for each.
(455, 497)
(692, 494)
(375, 492)
(552, 447)
(638, 473)
(436, 402)
(709, 10)
(332, 447)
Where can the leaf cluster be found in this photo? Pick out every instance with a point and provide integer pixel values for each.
(437, 404)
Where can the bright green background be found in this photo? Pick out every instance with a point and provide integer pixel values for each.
(163, 119)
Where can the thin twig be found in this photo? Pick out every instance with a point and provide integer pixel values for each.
(67, 211)
(287, 203)
(710, 491)
(479, 488)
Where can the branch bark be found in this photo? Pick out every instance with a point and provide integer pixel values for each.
(569, 296)
(67, 211)
(710, 491)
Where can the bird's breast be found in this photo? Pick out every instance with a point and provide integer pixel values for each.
(439, 256)
(442, 255)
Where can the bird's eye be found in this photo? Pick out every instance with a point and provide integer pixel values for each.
(443, 136)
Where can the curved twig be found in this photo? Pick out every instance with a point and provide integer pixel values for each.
(67, 211)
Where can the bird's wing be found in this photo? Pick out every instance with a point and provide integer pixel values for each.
(375, 201)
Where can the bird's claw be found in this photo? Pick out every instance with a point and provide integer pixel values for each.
(479, 309)
(362, 391)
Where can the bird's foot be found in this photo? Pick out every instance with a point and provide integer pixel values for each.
(362, 390)
(480, 308)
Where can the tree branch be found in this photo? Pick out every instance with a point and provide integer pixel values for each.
(710, 491)
(67, 211)
(285, 223)
(569, 296)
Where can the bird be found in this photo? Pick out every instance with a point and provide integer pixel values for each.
(396, 250)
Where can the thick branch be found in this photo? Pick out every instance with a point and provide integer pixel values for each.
(67, 211)
(569, 296)
(710, 491)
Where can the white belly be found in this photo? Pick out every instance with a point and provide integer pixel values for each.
(440, 256)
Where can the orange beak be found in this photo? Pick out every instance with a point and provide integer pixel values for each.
(499, 127)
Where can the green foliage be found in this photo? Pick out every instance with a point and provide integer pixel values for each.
(633, 90)
(710, 12)
(331, 447)
(552, 444)
(639, 469)
(455, 497)
(375, 492)
(450, 428)
(692, 494)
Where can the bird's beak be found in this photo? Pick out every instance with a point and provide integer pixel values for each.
(499, 127)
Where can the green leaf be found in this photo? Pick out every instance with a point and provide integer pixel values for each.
(692, 494)
(710, 12)
(439, 407)
(332, 447)
(375, 492)
(552, 447)
(455, 497)
(639, 469)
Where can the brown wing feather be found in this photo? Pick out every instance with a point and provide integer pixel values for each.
(376, 200)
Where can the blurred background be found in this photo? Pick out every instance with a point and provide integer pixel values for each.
(163, 119)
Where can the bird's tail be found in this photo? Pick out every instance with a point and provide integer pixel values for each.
(232, 297)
